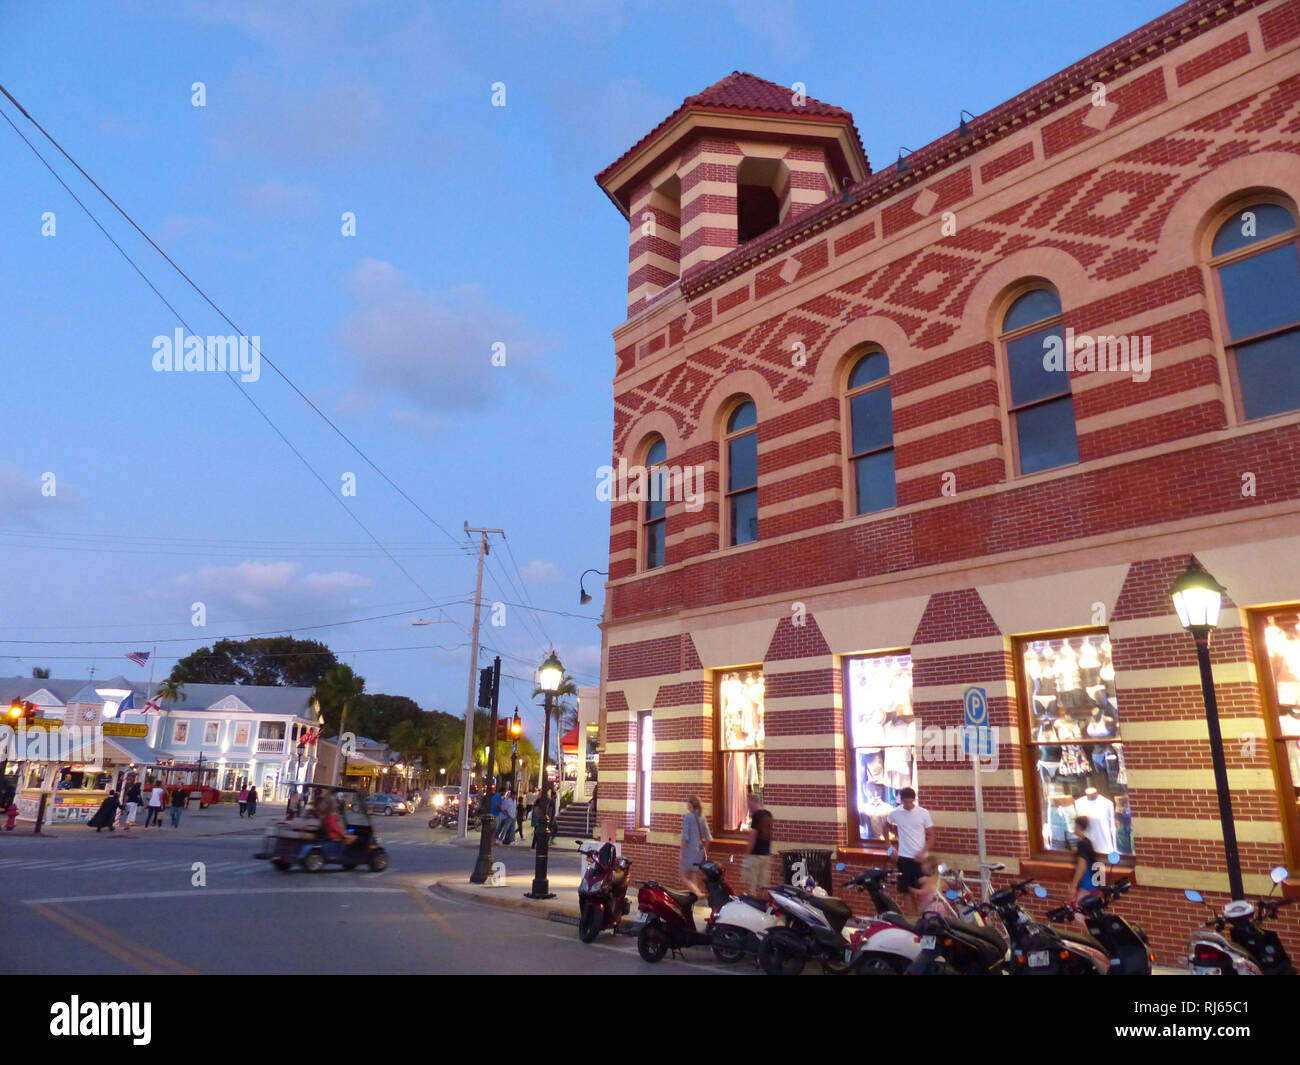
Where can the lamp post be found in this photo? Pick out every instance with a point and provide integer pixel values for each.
(583, 597)
(549, 678)
(1197, 598)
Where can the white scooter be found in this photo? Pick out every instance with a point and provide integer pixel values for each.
(738, 923)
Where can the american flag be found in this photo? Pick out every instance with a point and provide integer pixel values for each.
(139, 657)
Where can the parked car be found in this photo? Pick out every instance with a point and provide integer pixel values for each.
(387, 804)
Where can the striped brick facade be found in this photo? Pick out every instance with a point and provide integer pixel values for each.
(1113, 206)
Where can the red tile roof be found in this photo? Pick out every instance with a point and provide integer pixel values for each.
(746, 93)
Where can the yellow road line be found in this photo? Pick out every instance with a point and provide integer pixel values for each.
(139, 957)
(420, 895)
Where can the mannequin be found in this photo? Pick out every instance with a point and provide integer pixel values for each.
(1100, 812)
(1060, 816)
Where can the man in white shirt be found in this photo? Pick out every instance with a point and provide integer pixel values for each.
(915, 831)
(156, 799)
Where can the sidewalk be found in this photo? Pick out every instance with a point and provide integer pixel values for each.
(563, 877)
(217, 820)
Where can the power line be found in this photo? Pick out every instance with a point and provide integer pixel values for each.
(205, 658)
(284, 377)
(228, 375)
(524, 588)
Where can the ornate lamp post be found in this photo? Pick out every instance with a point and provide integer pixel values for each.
(1197, 598)
(549, 678)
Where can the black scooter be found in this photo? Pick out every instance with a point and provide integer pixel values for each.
(1235, 942)
(1127, 944)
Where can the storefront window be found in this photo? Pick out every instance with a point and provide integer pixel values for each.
(1075, 745)
(181, 732)
(740, 745)
(1281, 646)
(645, 760)
(882, 738)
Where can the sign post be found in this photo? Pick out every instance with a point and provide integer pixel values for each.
(978, 739)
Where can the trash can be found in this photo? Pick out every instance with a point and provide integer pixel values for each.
(817, 864)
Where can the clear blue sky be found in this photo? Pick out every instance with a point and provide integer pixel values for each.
(474, 225)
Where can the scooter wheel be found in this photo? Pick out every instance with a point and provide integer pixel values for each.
(729, 945)
(781, 953)
(591, 921)
(314, 862)
(652, 941)
(875, 966)
(435, 822)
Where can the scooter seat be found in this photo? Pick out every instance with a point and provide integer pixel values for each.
(755, 901)
(1082, 938)
(837, 910)
(996, 944)
(684, 899)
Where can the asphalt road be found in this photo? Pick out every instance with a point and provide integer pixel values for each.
(120, 903)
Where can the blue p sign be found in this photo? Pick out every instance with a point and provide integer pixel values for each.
(976, 704)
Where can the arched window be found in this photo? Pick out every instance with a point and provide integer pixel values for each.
(741, 448)
(655, 524)
(1255, 257)
(1042, 409)
(871, 434)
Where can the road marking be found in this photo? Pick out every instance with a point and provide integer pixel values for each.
(628, 952)
(139, 957)
(191, 893)
(418, 893)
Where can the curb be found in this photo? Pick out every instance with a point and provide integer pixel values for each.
(560, 906)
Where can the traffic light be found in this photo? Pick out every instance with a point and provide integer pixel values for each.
(503, 729)
(20, 710)
(485, 687)
(516, 727)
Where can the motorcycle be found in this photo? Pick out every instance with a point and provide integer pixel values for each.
(1126, 944)
(602, 893)
(667, 920)
(815, 928)
(738, 922)
(1239, 944)
(885, 944)
(1035, 949)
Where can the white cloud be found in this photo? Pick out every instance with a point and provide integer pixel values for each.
(275, 197)
(538, 572)
(21, 498)
(432, 349)
(269, 589)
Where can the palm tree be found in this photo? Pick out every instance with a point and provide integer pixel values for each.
(171, 691)
(336, 693)
(41, 672)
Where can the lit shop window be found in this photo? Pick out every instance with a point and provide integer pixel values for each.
(1256, 259)
(882, 737)
(1074, 731)
(645, 732)
(740, 744)
(1282, 646)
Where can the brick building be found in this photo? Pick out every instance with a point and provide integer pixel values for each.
(907, 489)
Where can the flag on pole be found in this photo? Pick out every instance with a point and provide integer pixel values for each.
(139, 657)
(153, 704)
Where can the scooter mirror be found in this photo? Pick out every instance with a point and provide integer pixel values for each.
(1040, 891)
(889, 852)
(1193, 896)
(950, 894)
(942, 868)
(1113, 857)
(839, 867)
(1278, 874)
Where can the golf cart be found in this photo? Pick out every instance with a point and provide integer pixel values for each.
(302, 841)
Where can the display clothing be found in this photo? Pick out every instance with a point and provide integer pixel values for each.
(1100, 812)
(1074, 760)
(1124, 829)
(734, 769)
(1060, 819)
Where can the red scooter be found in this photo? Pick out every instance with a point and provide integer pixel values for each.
(602, 894)
(667, 921)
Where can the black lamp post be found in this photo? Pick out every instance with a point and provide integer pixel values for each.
(1197, 598)
(549, 678)
(487, 823)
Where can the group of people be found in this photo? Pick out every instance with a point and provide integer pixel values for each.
(756, 871)
(114, 813)
(506, 813)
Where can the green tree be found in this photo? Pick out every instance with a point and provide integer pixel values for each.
(275, 660)
(337, 692)
(378, 715)
(171, 691)
(41, 672)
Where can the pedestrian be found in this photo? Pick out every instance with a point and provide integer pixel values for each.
(243, 800)
(521, 811)
(106, 815)
(133, 803)
(538, 818)
(1083, 882)
(508, 819)
(179, 798)
(695, 845)
(157, 796)
(497, 799)
(550, 814)
(915, 830)
(252, 800)
(295, 803)
(756, 872)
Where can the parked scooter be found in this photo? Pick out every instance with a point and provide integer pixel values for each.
(667, 920)
(738, 922)
(602, 893)
(1235, 942)
(817, 927)
(886, 944)
(1126, 944)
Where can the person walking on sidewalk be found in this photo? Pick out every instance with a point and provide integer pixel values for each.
(695, 840)
(252, 800)
(156, 798)
(915, 830)
(179, 798)
(243, 800)
(507, 819)
(106, 816)
(133, 801)
(756, 872)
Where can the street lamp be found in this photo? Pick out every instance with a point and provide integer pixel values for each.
(516, 730)
(1197, 598)
(549, 678)
(583, 597)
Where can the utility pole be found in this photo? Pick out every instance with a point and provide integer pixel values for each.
(467, 754)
